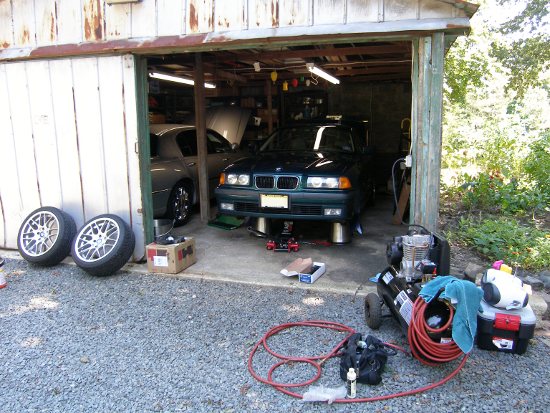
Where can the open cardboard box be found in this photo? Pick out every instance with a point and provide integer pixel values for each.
(306, 270)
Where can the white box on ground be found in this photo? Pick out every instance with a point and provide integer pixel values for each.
(317, 270)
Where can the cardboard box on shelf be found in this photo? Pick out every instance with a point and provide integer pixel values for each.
(172, 258)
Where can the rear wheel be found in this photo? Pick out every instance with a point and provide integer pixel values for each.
(373, 311)
(179, 204)
(45, 236)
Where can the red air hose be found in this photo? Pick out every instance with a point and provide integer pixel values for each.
(442, 353)
(425, 349)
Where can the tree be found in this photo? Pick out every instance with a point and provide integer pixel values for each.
(527, 55)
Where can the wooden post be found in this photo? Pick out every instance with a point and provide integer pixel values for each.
(144, 152)
(269, 106)
(427, 89)
(202, 151)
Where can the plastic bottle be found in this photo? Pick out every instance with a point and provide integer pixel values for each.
(351, 384)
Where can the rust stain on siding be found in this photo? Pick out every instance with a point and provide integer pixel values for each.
(93, 20)
(25, 36)
(275, 13)
(52, 27)
(193, 17)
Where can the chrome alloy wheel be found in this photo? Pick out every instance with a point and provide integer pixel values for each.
(181, 204)
(39, 233)
(97, 239)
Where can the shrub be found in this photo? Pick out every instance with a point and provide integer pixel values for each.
(507, 239)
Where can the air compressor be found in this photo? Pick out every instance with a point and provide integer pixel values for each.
(413, 259)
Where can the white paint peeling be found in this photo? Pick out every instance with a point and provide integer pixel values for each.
(38, 23)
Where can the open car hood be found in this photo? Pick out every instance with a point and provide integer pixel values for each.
(230, 122)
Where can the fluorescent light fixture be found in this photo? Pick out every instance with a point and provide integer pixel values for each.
(177, 79)
(321, 73)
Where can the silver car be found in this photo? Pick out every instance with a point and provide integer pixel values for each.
(174, 172)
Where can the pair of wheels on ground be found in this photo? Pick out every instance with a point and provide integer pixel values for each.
(101, 247)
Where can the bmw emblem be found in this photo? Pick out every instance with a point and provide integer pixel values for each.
(278, 169)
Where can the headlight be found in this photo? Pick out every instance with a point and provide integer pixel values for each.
(328, 182)
(238, 179)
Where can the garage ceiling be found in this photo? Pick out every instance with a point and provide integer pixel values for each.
(350, 62)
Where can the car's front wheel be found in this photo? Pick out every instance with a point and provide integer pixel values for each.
(179, 204)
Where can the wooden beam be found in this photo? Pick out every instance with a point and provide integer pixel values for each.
(269, 106)
(310, 53)
(370, 70)
(202, 152)
(427, 79)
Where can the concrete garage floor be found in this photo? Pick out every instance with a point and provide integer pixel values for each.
(238, 256)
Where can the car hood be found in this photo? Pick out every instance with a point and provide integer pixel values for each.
(295, 163)
(230, 122)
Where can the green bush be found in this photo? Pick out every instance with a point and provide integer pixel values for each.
(507, 239)
(493, 192)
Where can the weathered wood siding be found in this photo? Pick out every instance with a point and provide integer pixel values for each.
(27, 24)
(68, 134)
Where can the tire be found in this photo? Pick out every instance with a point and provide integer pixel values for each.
(103, 245)
(179, 204)
(373, 311)
(45, 236)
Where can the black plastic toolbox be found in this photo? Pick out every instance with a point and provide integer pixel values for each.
(505, 330)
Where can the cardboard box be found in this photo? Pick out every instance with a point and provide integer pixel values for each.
(317, 270)
(299, 265)
(171, 259)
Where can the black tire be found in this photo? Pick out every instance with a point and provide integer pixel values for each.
(180, 203)
(45, 236)
(103, 245)
(373, 311)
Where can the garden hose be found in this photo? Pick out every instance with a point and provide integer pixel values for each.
(318, 361)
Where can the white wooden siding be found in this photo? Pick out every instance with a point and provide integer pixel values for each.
(31, 24)
(68, 129)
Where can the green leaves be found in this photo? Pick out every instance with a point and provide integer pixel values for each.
(507, 239)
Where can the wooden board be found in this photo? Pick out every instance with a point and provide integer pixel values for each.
(90, 136)
(43, 132)
(61, 76)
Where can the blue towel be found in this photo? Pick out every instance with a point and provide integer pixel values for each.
(466, 298)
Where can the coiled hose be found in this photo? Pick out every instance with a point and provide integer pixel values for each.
(432, 354)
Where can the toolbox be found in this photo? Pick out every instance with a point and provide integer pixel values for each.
(505, 330)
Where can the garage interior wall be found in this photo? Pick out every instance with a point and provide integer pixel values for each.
(72, 125)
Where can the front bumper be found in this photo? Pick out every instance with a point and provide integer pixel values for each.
(302, 205)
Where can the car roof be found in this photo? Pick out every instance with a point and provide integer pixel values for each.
(162, 128)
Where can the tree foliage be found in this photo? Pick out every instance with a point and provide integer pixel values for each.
(496, 132)
(528, 54)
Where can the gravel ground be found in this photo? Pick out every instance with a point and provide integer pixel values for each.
(140, 343)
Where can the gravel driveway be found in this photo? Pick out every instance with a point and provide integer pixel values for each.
(70, 342)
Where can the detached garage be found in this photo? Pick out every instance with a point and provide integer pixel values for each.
(78, 90)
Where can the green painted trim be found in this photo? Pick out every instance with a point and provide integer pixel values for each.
(414, 125)
(427, 83)
(435, 130)
(144, 152)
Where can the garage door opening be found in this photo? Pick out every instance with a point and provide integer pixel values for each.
(249, 93)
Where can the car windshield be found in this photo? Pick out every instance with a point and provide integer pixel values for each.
(310, 138)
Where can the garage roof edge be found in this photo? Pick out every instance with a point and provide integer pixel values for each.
(394, 30)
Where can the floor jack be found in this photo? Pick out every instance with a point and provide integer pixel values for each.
(282, 242)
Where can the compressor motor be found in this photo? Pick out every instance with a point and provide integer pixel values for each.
(412, 258)
(415, 255)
